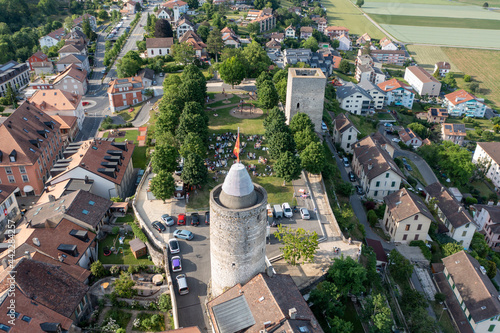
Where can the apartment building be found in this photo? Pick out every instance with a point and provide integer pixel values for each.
(124, 93)
(397, 57)
(488, 155)
(397, 93)
(55, 102)
(462, 103)
(14, 74)
(453, 132)
(422, 81)
(354, 99)
(377, 94)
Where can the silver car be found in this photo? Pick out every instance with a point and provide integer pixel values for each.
(168, 220)
(304, 213)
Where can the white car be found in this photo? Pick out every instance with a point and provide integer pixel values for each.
(346, 162)
(173, 245)
(396, 140)
(287, 210)
(304, 213)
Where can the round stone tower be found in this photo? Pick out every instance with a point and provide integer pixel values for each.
(237, 230)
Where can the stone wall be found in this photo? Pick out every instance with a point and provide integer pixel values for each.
(237, 241)
(305, 93)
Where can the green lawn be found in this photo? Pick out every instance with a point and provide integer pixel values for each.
(139, 156)
(365, 127)
(224, 122)
(233, 100)
(124, 258)
(445, 322)
(125, 219)
(129, 116)
(351, 315)
(384, 116)
(129, 136)
(444, 22)
(160, 326)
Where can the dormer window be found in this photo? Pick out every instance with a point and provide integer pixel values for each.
(13, 156)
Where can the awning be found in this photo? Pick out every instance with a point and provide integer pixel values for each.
(28, 188)
(119, 204)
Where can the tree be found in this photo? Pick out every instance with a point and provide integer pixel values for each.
(183, 53)
(400, 267)
(193, 4)
(215, 44)
(274, 114)
(194, 85)
(163, 29)
(203, 31)
(192, 144)
(232, 71)
(87, 29)
(304, 138)
(287, 166)
(127, 67)
(103, 15)
(163, 185)
(257, 59)
(313, 158)
(327, 298)
(338, 325)
(281, 89)
(372, 218)
(164, 303)
(194, 171)
(219, 21)
(360, 3)
(123, 286)
(467, 78)
(268, 96)
(263, 77)
(488, 136)
(474, 87)
(68, 23)
(344, 66)
(98, 270)
(164, 158)
(485, 5)
(449, 80)
(348, 275)
(380, 313)
(419, 129)
(301, 122)
(195, 108)
(11, 95)
(191, 123)
(310, 43)
(280, 143)
(276, 126)
(253, 28)
(299, 245)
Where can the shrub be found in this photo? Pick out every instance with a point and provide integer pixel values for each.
(114, 270)
(98, 269)
(369, 205)
(138, 232)
(4, 101)
(440, 297)
(115, 230)
(425, 250)
(372, 218)
(470, 201)
(345, 189)
(132, 269)
(164, 303)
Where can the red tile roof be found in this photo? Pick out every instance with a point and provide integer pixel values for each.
(393, 84)
(459, 96)
(55, 100)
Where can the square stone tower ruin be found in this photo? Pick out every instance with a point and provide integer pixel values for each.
(305, 92)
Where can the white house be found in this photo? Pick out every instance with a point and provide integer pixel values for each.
(345, 43)
(487, 154)
(159, 46)
(476, 298)
(52, 38)
(354, 99)
(306, 32)
(443, 67)
(230, 38)
(165, 13)
(461, 103)
(451, 213)
(377, 94)
(183, 26)
(410, 138)
(344, 132)
(290, 32)
(66, 50)
(397, 93)
(55, 102)
(377, 172)
(81, 61)
(181, 5)
(14, 74)
(369, 69)
(72, 79)
(387, 44)
(487, 218)
(422, 81)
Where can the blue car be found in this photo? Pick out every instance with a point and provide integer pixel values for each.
(183, 234)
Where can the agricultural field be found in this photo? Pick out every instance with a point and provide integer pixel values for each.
(344, 13)
(442, 22)
(482, 65)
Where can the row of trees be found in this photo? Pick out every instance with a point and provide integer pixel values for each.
(181, 130)
(112, 52)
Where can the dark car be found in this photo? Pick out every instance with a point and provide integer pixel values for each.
(408, 167)
(359, 190)
(159, 226)
(352, 176)
(207, 217)
(195, 219)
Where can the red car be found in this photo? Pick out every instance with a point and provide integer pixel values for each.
(85, 103)
(181, 219)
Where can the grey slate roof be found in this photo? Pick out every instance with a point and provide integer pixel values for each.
(349, 89)
(367, 85)
(233, 315)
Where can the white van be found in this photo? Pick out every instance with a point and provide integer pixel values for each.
(278, 212)
(287, 210)
(182, 284)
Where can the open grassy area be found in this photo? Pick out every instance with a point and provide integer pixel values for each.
(124, 256)
(428, 56)
(125, 219)
(384, 116)
(129, 136)
(233, 99)
(344, 13)
(428, 21)
(128, 115)
(365, 127)
(224, 122)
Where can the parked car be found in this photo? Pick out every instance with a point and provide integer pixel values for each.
(173, 246)
(352, 176)
(396, 140)
(387, 124)
(176, 264)
(182, 284)
(359, 190)
(287, 210)
(345, 161)
(183, 234)
(304, 213)
(278, 211)
(85, 103)
(159, 226)
(207, 217)
(103, 71)
(195, 219)
(408, 167)
(181, 219)
(178, 170)
(180, 191)
(404, 160)
(168, 220)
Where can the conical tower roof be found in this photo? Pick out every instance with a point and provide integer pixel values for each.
(238, 190)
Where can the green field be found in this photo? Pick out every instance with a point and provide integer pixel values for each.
(427, 56)
(344, 13)
(429, 2)
(441, 22)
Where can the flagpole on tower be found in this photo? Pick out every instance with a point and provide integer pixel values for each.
(238, 144)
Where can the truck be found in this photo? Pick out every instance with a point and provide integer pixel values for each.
(278, 211)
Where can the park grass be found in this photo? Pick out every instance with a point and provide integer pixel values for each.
(364, 127)
(445, 323)
(483, 66)
(128, 115)
(445, 22)
(233, 100)
(344, 13)
(130, 135)
(384, 116)
(224, 122)
(125, 258)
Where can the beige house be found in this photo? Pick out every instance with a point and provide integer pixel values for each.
(422, 81)
(344, 132)
(437, 115)
(488, 154)
(406, 217)
(377, 172)
(453, 132)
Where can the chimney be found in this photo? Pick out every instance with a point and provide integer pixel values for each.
(52, 198)
(401, 193)
(60, 257)
(36, 241)
(292, 313)
(370, 166)
(442, 188)
(27, 254)
(460, 209)
(86, 179)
